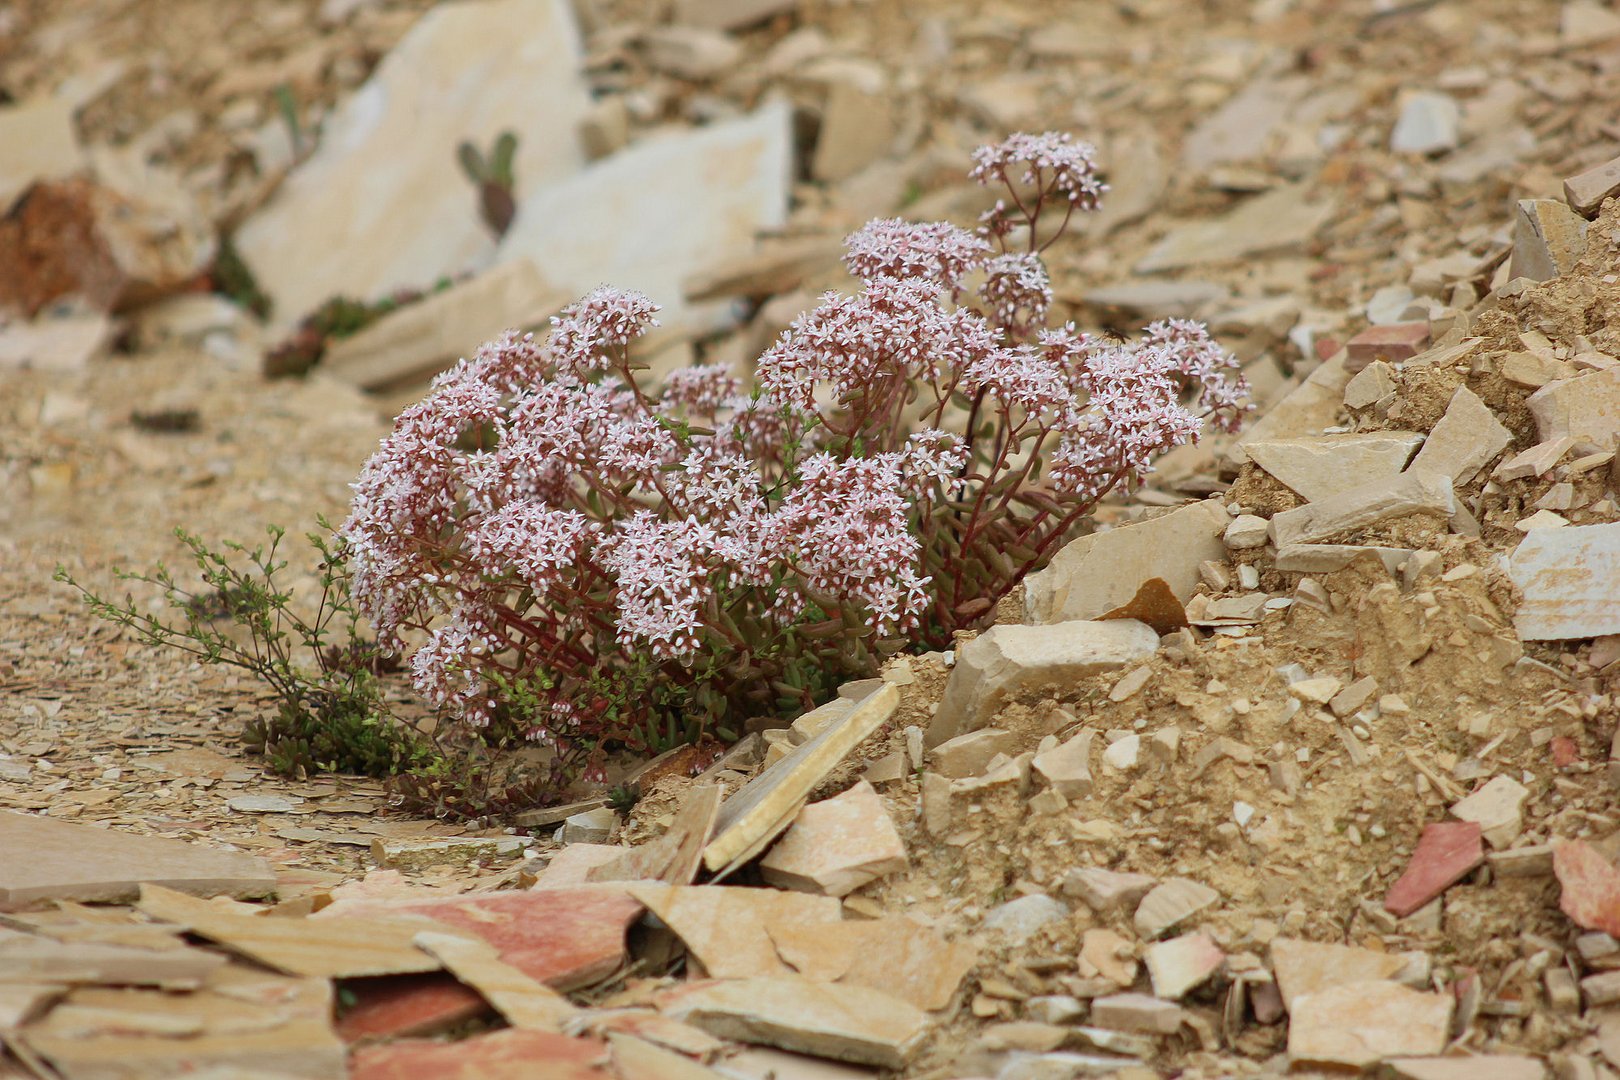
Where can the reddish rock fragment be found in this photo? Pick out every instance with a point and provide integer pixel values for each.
(1393, 342)
(1591, 886)
(1564, 752)
(398, 1005)
(511, 1054)
(1447, 852)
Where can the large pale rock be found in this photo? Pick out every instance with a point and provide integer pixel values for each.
(419, 340)
(1006, 661)
(1586, 407)
(1586, 191)
(767, 804)
(384, 190)
(40, 143)
(857, 128)
(1567, 580)
(1466, 438)
(1428, 124)
(1358, 1024)
(1308, 408)
(662, 211)
(894, 954)
(1330, 464)
(835, 1020)
(729, 930)
(1307, 967)
(1098, 573)
(1281, 218)
(1548, 239)
(837, 845)
(1498, 807)
(1410, 493)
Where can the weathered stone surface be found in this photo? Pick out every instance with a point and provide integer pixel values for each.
(837, 845)
(1567, 580)
(1428, 124)
(1467, 437)
(1107, 891)
(1171, 903)
(26, 958)
(384, 187)
(1548, 239)
(1359, 1024)
(1537, 460)
(1586, 407)
(1371, 384)
(1590, 886)
(419, 340)
(1284, 217)
(1446, 853)
(1332, 464)
(1016, 921)
(1311, 406)
(894, 954)
(1392, 342)
(729, 14)
(1007, 660)
(675, 856)
(717, 188)
(1326, 558)
(857, 128)
(76, 862)
(640, 1059)
(970, 754)
(41, 144)
(1178, 965)
(1067, 766)
(1137, 1012)
(1246, 531)
(728, 929)
(1586, 191)
(1105, 954)
(1498, 809)
(454, 851)
(1409, 493)
(400, 1005)
(1075, 584)
(1308, 967)
(524, 1002)
(756, 814)
(835, 1020)
(1472, 1067)
(509, 1054)
(54, 343)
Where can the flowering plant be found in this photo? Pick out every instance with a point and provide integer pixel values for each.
(600, 562)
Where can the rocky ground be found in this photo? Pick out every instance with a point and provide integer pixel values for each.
(1343, 800)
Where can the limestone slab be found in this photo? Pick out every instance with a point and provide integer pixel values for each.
(524, 1002)
(77, 862)
(1311, 406)
(837, 845)
(1498, 808)
(728, 928)
(1171, 903)
(1586, 191)
(894, 954)
(1308, 967)
(1586, 407)
(1284, 217)
(834, 1020)
(41, 144)
(1067, 766)
(1076, 585)
(1006, 661)
(1566, 578)
(716, 188)
(970, 754)
(674, 856)
(1466, 438)
(1358, 1024)
(1331, 464)
(384, 187)
(509, 1054)
(1409, 493)
(1447, 852)
(1182, 963)
(26, 958)
(1589, 884)
(1548, 239)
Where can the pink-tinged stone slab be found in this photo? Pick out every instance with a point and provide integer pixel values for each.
(1590, 884)
(1358, 1024)
(566, 938)
(728, 927)
(837, 845)
(1567, 580)
(1393, 342)
(893, 954)
(674, 857)
(77, 862)
(401, 1005)
(1178, 965)
(1306, 967)
(1447, 852)
(501, 1055)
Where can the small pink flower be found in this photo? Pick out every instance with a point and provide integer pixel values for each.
(1048, 161)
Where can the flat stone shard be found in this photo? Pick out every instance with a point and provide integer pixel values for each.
(1498, 809)
(1107, 891)
(1392, 342)
(1585, 408)
(1586, 191)
(1137, 1012)
(1308, 967)
(1370, 385)
(673, 857)
(1282, 218)
(1358, 1024)
(1590, 886)
(41, 144)
(1067, 766)
(1566, 577)
(1075, 584)
(765, 806)
(893, 954)
(1006, 661)
(835, 846)
(1428, 124)
(718, 187)
(524, 1002)
(77, 862)
(1019, 920)
(1466, 438)
(1178, 965)
(834, 1020)
(1473, 1067)
(1171, 903)
(387, 156)
(970, 754)
(1329, 465)
(1446, 853)
(728, 929)
(1548, 239)
(1409, 493)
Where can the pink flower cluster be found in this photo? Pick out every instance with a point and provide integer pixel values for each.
(542, 513)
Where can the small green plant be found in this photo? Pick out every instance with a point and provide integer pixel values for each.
(331, 715)
(234, 281)
(287, 106)
(496, 183)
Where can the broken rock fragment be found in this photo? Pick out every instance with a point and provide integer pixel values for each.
(1330, 464)
(1170, 904)
(1586, 407)
(1393, 342)
(1586, 191)
(894, 954)
(1307, 967)
(1548, 239)
(1410, 493)
(1467, 437)
(1498, 808)
(1590, 886)
(1567, 580)
(1446, 853)
(728, 929)
(1178, 965)
(1006, 661)
(1358, 1024)
(835, 846)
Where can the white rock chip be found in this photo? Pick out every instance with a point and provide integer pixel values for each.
(1586, 407)
(1498, 807)
(1021, 919)
(1428, 124)
(1467, 437)
(1567, 577)
(1170, 904)
(1322, 467)
(1409, 493)
(1245, 532)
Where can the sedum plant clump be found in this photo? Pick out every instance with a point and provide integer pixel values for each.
(572, 553)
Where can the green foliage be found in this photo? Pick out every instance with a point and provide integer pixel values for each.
(235, 281)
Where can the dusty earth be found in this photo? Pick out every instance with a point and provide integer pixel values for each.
(95, 728)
